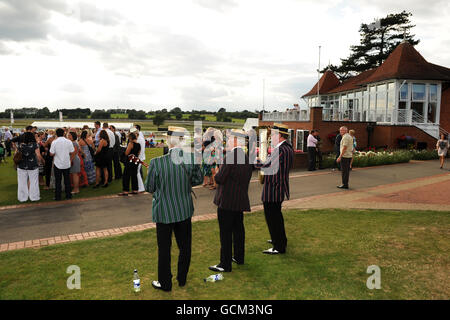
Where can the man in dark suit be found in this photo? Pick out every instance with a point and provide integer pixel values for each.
(232, 199)
(276, 186)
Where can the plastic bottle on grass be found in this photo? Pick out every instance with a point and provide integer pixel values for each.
(214, 278)
(136, 282)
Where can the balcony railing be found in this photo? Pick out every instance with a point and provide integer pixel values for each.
(291, 115)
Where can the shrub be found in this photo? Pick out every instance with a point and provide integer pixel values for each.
(424, 154)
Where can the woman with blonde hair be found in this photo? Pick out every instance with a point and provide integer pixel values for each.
(442, 147)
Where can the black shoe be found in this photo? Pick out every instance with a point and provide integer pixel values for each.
(181, 284)
(342, 187)
(219, 268)
(96, 186)
(105, 185)
(235, 261)
(157, 285)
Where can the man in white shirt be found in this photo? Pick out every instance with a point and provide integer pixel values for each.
(112, 141)
(312, 145)
(141, 141)
(61, 150)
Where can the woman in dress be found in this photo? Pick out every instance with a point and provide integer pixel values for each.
(48, 159)
(89, 167)
(101, 159)
(75, 167)
(130, 171)
(442, 147)
(28, 169)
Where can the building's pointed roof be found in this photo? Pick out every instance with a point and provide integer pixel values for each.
(405, 62)
(327, 82)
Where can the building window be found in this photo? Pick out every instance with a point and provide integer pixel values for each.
(390, 101)
(433, 92)
(432, 104)
(372, 100)
(381, 103)
(418, 92)
(404, 91)
(418, 102)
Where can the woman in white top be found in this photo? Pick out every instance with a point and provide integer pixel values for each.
(442, 147)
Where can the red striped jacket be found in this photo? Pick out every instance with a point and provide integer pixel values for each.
(276, 179)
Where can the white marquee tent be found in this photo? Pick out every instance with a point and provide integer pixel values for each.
(72, 124)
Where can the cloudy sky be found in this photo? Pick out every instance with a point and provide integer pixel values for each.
(194, 54)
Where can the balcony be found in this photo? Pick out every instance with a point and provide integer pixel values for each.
(291, 115)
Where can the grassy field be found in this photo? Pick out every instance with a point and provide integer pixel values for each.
(146, 125)
(8, 185)
(327, 257)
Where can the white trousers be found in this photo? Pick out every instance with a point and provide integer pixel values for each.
(141, 187)
(23, 191)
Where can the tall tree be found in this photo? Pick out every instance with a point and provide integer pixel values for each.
(377, 42)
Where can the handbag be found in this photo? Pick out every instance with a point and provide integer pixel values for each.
(122, 157)
(17, 157)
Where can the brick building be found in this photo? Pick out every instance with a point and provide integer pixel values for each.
(405, 96)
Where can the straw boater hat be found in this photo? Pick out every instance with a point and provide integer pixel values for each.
(282, 128)
(176, 131)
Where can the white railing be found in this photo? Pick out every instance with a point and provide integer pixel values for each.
(291, 115)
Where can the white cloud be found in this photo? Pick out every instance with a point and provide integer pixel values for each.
(198, 53)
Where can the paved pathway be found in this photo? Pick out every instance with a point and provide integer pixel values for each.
(416, 185)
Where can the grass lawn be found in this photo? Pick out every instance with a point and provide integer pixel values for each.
(8, 185)
(327, 257)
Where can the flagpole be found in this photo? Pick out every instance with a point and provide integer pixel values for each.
(318, 80)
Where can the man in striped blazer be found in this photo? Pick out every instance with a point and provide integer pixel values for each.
(232, 200)
(276, 186)
(170, 178)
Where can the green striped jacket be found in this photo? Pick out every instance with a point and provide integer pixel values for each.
(171, 185)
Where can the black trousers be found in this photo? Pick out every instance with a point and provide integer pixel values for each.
(48, 170)
(130, 172)
(59, 173)
(311, 158)
(8, 148)
(183, 236)
(117, 166)
(109, 159)
(232, 234)
(275, 223)
(345, 167)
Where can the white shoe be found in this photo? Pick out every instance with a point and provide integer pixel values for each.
(271, 251)
(156, 284)
(217, 268)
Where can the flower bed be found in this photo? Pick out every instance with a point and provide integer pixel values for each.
(371, 158)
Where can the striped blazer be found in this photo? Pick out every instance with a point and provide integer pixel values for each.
(233, 180)
(276, 183)
(171, 184)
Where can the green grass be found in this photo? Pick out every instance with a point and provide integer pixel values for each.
(327, 257)
(8, 185)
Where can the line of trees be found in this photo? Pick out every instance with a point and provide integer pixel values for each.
(158, 116)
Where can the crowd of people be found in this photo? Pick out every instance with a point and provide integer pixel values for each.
(79, 157)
